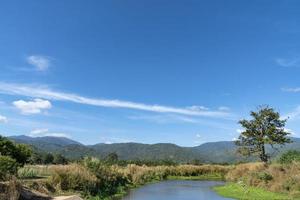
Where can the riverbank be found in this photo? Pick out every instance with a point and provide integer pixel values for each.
(240, 191)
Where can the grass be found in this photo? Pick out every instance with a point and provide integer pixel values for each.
(240, 191)
(207, 177)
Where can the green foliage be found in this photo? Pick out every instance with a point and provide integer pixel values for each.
(265, 176)
(265, 127)
(289, 157)
(36, 158)
(8, 167)
(112, 158)
(20, 152)
(60, 159)
(48, 158)
(23, 153)
(108, 177)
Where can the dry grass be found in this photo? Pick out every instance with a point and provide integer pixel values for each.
(274, 177)
(72, 177)
(10, 190)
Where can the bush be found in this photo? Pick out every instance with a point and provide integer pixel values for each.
(20, 152)
(264, 176)
(8, 167)
(73, 177)
(289, 157)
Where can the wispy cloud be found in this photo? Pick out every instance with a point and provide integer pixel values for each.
(297, 89)
(45, 132)
(47, 93)
(292, 62)
(3, 119)
(290, 131)
(111, 140)
(41, 63)
(224, 108)
(293, 114)
(32, 107)
(198, 139)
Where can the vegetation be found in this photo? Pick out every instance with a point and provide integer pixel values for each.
(240, 191)
(97, 178)
(289, 157)
(8, 167)
(20, 152)
(266, 127)
(275, 177)
(12, 156)
(134, 153)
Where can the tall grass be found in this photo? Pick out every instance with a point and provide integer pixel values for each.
(93, 177)
(275, 177)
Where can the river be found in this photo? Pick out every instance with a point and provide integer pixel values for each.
(176, 190)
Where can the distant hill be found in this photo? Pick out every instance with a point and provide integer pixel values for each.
(211, 152)
(47, 143)
(133, 151)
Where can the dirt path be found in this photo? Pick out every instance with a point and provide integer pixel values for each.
(73, 197)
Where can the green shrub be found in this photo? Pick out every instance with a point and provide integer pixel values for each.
(289, 157)
(8, 167)
(27, 172)
(264, 176)
(20, 152)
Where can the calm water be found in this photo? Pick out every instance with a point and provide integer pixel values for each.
(176, 190)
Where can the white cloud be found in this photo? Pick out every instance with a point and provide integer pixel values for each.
(39, 131)
(45, 92)
(292, 132)
(111, 140)
(224, 108)
(32, 107)
(45, 132)
(3, 119)
(239, 131)
(198, 136)
(292, 115)
(197, 108)
(291, 89)
(283, 62)
(234, 139)
(41, 63)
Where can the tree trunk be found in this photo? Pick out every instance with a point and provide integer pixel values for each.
(263, 155)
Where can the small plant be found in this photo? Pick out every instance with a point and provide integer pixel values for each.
(264, 176)
(27, 172)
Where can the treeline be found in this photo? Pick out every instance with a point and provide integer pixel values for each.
(47, 158)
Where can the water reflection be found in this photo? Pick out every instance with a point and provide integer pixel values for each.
(176, 190)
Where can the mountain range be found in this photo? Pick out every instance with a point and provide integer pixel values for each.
(212, 152)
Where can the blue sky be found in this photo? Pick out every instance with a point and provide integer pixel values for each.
(146, 71)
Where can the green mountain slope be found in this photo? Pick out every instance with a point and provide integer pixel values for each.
(212, 152)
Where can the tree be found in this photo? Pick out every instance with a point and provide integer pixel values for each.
(112, 157)
(48, 158)
(20, 152)
(265, 128)
(60, 159)
(23, 153)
